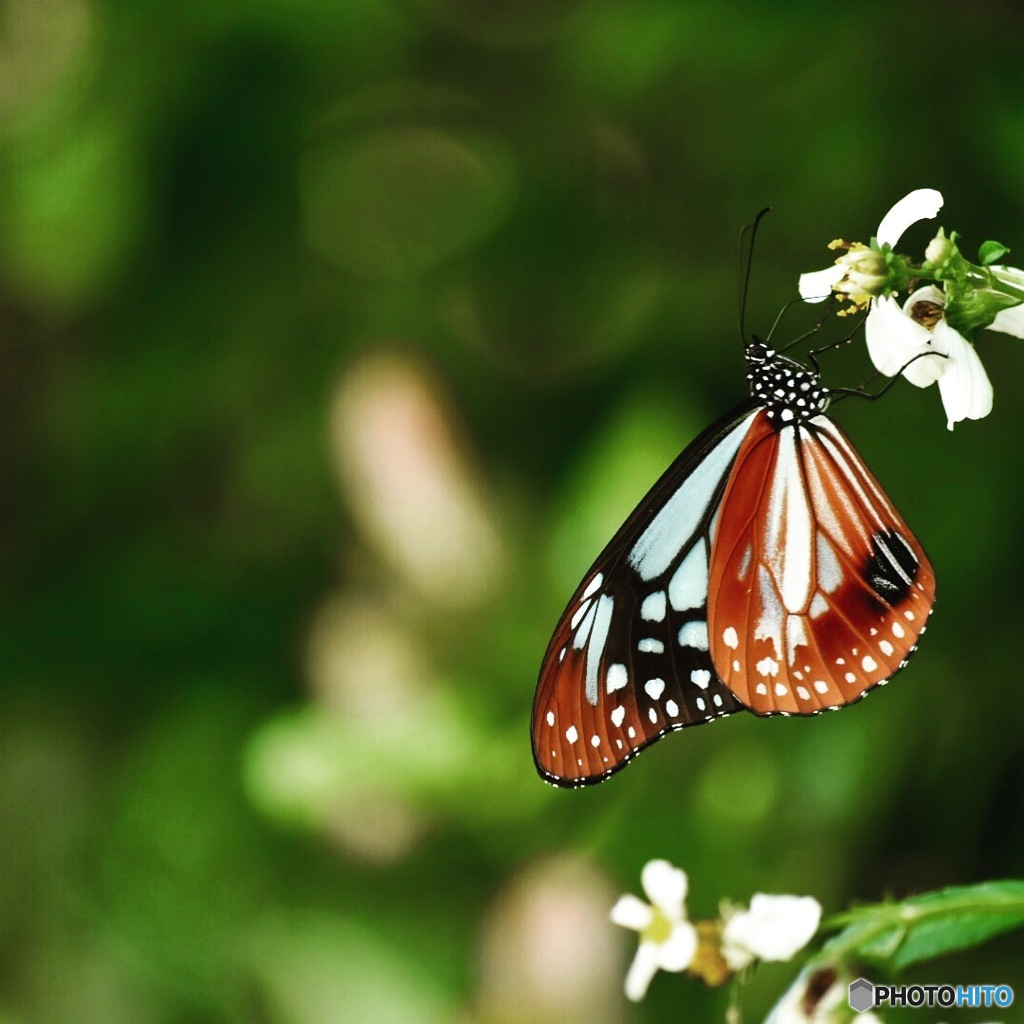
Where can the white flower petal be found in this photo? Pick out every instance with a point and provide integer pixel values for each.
(774, 928)
(926, 293)
(921, 204)
(817, 285)
(923, 372)
(641, 971)
(1009, 321)
(677, 951)
(737, 957)
(631, 912)
(1011, 275)
(965, 388)
(666, 887)
(792, 1006)
(894, 339)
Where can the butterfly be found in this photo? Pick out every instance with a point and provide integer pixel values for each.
(765, 571)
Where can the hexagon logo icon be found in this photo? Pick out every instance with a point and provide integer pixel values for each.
(862, 995)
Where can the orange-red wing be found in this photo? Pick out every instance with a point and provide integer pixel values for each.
(817, 589)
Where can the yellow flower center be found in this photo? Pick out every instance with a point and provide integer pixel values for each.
(660, 928)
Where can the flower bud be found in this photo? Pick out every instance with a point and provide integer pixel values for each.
(940, 248)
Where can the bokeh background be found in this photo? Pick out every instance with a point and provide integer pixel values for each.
(337, 337)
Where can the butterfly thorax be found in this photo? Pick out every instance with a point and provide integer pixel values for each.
(789, 392)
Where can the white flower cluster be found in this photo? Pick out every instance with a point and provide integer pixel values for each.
(773, 928)
(913, 337)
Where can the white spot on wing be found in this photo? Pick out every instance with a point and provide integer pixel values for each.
(769, 625)
(780, 690)
(648, 645)
(653, 608)
(790, 533)
(617, 716)
(580, 612)
(550, 718)
(767, 667)
(688, 587)
(694, 634)
(885, 647)
(652, 715)
(830, 574)
(595, 740)
(672, 708)
(579, 641)
(700, 677)
(571, 734)
(818, 606)
(616, 678)
(730, 638)
(654, 688)
(595, 648)
(594, 585)
(868, 663)
(761, 689)
(821, 686)
(898, 631)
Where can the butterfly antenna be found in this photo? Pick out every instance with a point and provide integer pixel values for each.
(778, 320)
(745, 277)
(841, 393)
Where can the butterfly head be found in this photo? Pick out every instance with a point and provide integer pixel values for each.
(790, 392)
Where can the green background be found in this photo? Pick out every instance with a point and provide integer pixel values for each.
(337, 337)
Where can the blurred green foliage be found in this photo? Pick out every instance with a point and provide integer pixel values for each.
(210, 213)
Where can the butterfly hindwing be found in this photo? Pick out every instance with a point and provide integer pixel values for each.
(819, 590)
(630, 658)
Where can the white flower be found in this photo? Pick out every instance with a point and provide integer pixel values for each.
(914, 338)
(896, 335)
(773, 929)
(818, 996)
(667, 939)
(922, 204)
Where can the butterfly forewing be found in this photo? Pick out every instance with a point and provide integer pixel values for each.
(818, 588)
(630, 658)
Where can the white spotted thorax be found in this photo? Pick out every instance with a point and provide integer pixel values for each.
(789, 391)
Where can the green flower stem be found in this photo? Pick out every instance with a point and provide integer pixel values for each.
(991, 281)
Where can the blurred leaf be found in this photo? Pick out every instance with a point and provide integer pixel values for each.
(928, 926)
(73, 209)
(311, 968)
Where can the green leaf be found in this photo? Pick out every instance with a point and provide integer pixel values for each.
(928, 926)
(991, 251)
